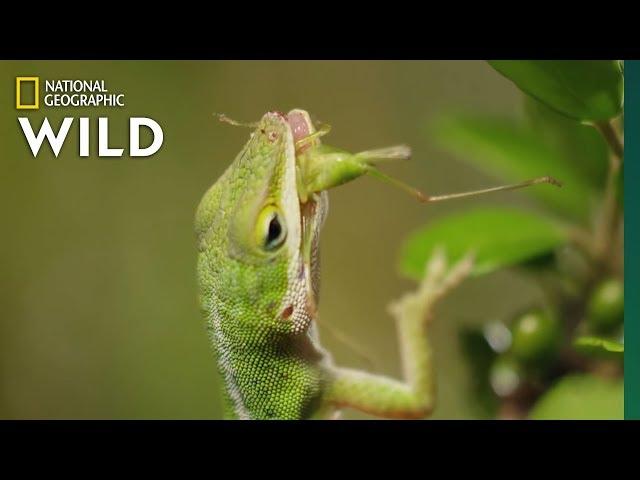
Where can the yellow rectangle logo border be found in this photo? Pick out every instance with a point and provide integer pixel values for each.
(34, 106)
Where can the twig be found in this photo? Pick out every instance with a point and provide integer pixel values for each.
(611, 214)
(611, 136)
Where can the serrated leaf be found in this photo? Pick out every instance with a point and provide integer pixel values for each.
(581, 397)
(598, 347)
(585, 90)
(515, 153)
(498, 236)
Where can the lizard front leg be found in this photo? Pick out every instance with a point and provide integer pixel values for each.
(415, 397)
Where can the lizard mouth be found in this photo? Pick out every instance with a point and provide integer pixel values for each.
(308, 219)
(301, 127)
(311, 210)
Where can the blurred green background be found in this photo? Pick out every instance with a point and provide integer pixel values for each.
(99, 314)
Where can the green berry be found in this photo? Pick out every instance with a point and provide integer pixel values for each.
(605, 311)
(536, 337)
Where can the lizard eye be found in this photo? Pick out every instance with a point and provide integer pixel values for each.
(270, 229)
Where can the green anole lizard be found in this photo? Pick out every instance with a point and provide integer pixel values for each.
(258, 232)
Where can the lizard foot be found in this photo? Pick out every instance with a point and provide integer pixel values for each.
(438, 280)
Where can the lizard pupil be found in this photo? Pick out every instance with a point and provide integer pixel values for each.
(275, 231)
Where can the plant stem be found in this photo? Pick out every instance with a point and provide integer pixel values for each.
(611, 213)
(583, 241)
(611, 136)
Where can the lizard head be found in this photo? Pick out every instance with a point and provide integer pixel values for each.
(257, 239)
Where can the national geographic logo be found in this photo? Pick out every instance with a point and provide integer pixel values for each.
(79, 94)
(66, 93)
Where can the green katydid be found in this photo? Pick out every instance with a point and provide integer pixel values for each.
(258, 231)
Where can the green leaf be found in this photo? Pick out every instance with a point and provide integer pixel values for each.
(585, 90)
(581, 397)
(515, 153)
(581, 146)
(498, 236)
(599, 347)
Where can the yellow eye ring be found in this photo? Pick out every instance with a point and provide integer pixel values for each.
(271, 231)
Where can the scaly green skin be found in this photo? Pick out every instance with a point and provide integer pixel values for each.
(259, 285)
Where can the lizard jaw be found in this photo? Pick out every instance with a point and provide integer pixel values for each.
(308, 224)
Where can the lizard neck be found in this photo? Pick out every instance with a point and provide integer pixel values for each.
(280, 377)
